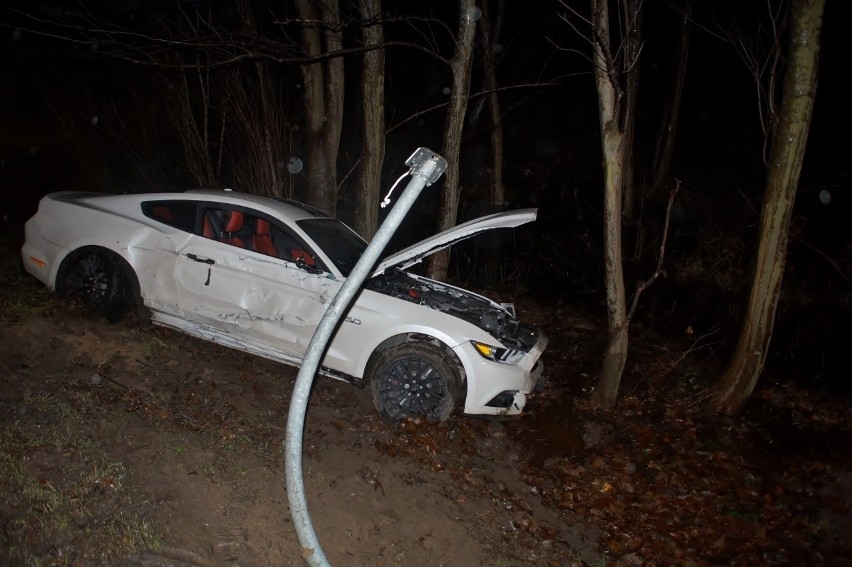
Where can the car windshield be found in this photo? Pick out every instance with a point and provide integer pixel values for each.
(338, 241)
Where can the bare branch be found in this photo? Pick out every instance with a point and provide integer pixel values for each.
(660, 258)
(471, 97)
(570, 50)
(575, 13)
(805, 243)
(147, 50)
(763, 59)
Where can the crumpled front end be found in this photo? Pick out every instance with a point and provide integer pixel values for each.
(501, 388)
(500, 372)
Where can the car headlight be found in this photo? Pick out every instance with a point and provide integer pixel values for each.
(497, 354)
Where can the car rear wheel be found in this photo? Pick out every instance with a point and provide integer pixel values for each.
(414, 379)
(99, 281)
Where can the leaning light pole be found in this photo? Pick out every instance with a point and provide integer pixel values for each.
(425, 168)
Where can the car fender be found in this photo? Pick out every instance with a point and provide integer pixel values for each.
(376, 318)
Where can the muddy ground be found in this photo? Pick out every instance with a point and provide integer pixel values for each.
(129, 444)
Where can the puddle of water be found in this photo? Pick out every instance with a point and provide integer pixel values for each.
(548, 432)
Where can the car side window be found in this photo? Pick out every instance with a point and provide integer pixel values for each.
(253, 231)
(290, 248)
(226, 225)
(177, 214)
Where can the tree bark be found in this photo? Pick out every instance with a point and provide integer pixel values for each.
(632, 40)
(668, 128)
(460, 65)
(322, 100)
(788, 147)
(498, 192)
(368, 182)
(334, 93)
(614, 156)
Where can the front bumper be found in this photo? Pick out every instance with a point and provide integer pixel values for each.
(498, 389)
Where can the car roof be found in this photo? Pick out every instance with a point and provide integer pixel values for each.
(290, 208)
(285, 208)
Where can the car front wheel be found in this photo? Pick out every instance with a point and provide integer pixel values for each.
(99, 281)
(414, 379)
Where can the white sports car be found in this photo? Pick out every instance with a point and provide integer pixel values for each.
(256, 274)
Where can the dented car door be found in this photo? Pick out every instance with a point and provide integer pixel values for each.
(284, 302)
(230, 287)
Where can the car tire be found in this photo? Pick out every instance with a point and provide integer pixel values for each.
(414, 379)
(99, 280)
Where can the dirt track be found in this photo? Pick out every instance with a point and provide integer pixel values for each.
(130, 444)
(163, 450)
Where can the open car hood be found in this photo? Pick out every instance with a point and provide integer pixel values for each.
(416, 252)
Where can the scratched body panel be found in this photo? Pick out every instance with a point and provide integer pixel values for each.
(219, 286)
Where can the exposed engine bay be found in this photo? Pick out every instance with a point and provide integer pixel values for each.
(475, 309)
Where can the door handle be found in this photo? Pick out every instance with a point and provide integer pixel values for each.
(194, 258)
(208, 261)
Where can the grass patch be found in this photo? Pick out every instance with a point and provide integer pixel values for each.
(21, 296)
(134, 534)
(61, 502)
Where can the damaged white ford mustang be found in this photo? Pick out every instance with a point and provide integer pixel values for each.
(256, 274)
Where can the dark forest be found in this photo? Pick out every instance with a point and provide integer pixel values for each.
(665, 466)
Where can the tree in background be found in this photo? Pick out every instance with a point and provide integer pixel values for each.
(322, 100)
(626, 60)
(460, 66)
(368, 181)
(667, 133)
(225, 109)
(616, 109)
(488, 33)
(788, 142)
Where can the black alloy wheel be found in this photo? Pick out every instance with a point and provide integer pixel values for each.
(99, 282)
(414, 379)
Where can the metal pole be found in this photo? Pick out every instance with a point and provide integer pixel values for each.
(426, 168)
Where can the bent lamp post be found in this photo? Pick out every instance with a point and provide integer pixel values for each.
(425, 168)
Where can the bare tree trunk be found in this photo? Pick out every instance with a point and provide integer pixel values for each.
(323, 97)
(334, 93)
(614, 156)
(460, 65)
(498, 192)
(668, 128)
(316, 162)
(788, 147)
(632, 41)
(368, 183)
